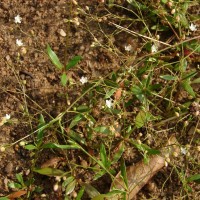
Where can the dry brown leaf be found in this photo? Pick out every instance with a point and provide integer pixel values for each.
(53, 162)
(118, 94)
(139, 174)
(17, 194)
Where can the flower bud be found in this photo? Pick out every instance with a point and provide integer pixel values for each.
(55, 187)
(173, 11)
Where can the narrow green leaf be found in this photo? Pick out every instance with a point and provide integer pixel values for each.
(146, 158)
(111, 83)
(160, 27)
(110, 93)
(168, 77)
(14, 185)
(4, 198)
(197, 80)
(80, 193)
(123, 172)
(183, 65)
(195, 178)
(186, 85)
(30, 147)
(55, 146)
(136, 90)
(67, 181)
(189, 75)
(70, 187)
(76, 120)
(20, 179)
(147, 81)
(194, 45)
(40, 133)
(103, 155)
(144, 147)
(83, 108)
(75, 136)
(91, 191)
(119, 153)
(154, 87)
(183, 20)
(63, 79)
(49, 171)
(142, 118)
(152, 151)
(138, 146)
(100, 197)
(102, 129)
(99, 174)
(73, 62)
(54, 58)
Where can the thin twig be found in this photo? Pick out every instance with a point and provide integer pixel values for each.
(135, 33)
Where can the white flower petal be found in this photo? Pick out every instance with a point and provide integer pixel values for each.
(193, 27)
(18, 19)
(83, 80)
(109, 103)
(19, 43)
(154, 48)
(183, 151)
(128, 47)
(7, 117)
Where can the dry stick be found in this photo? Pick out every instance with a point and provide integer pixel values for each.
(135, 33)
(169, 46)
(139, 174)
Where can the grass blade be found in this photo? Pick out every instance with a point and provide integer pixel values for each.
(73, 62)
(49, 171)
(54, 58)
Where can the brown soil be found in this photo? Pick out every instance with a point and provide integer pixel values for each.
(30, 84)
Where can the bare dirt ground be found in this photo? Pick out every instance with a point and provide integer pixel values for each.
(30, 84)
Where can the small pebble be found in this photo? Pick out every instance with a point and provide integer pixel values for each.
(55, 187)
(9, 168)
(62, 33)
(23, 51)
(27, 172)
(7, 57)
(43, 195)
(2, 149)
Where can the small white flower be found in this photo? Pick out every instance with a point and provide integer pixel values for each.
(183, 151)
(154, 48)
(128, 47)
(7, 117)
(109, 103)
(91, 123)
(4, 119)
(19, 43)
(18, 19)
(83, 80)
(193, 27)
